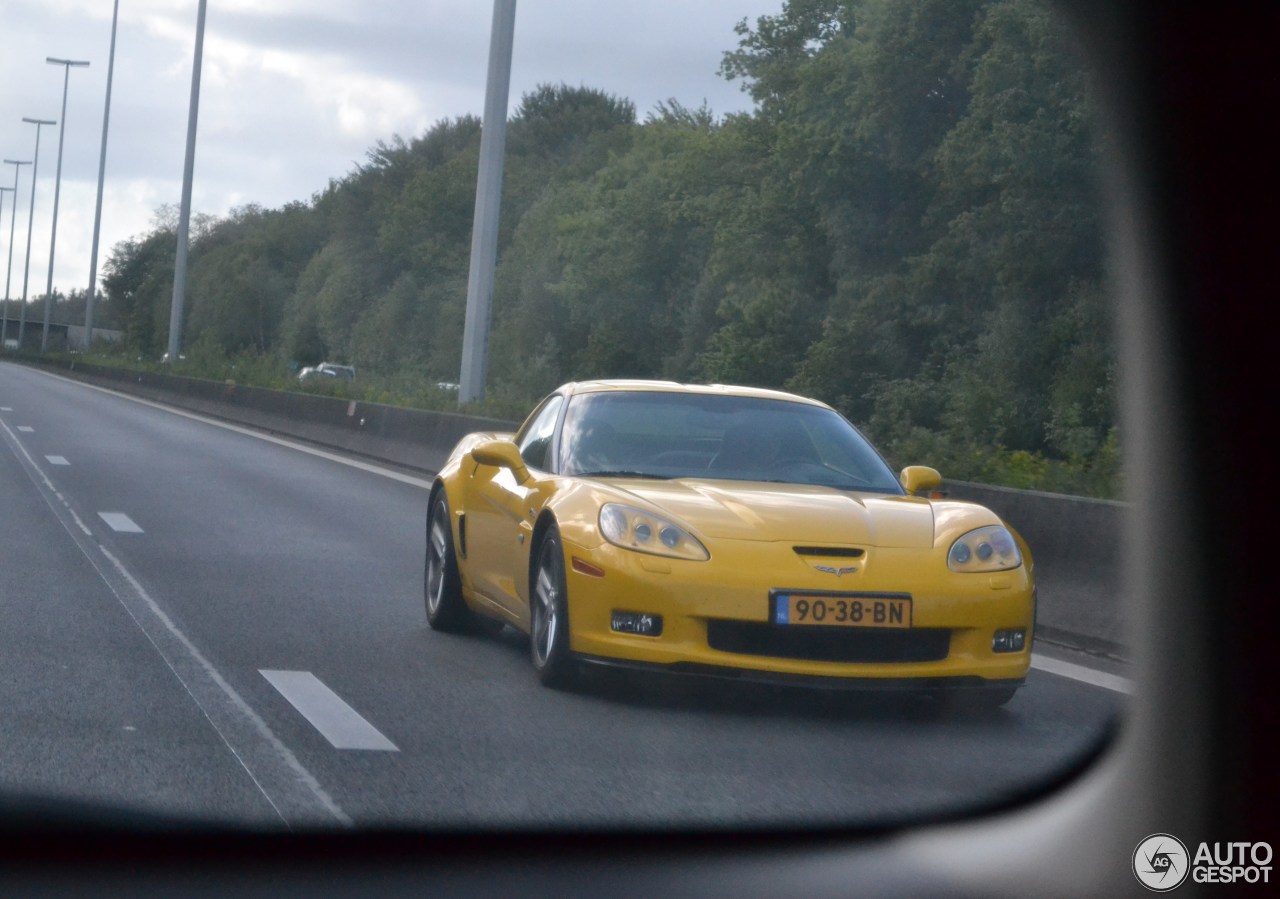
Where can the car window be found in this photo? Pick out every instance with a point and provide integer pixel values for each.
(536, 441)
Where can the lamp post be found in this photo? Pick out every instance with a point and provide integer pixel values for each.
(31, 218)
(102, 171)
(13, 210)
(184, 209)
(57, 187)
(484, 228)
(4, 328)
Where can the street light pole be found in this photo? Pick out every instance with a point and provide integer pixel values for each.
(31, 218)
(102, 172)
(57, 188)
(4, 325)
(13, 211)
(484, 227)
(184, 210)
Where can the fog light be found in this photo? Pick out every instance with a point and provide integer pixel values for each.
(637, 623)
(1009, 641)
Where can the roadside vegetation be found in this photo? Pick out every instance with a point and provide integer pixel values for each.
(906, 226)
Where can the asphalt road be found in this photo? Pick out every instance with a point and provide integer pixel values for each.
(200, 622)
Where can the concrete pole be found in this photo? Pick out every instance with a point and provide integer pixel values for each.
(57, 190)
(484, 229)
(102, 172)
(31, 219)
(13, 214)
(184, 213)
(4, 322)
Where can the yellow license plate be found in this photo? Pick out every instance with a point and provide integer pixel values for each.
(841, 611)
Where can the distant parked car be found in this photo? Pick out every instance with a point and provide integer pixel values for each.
(327, 370)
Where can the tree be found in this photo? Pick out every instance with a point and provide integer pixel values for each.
(134, 280)
(906, 226)
(559, 122)
(242, 270)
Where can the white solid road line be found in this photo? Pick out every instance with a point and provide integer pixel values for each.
(1089, 676)
(337, 722)
(249, 432)
(57, 460)
(120, 522)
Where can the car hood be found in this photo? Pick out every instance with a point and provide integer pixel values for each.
(742, 510)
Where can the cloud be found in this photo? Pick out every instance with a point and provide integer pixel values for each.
(294, 92)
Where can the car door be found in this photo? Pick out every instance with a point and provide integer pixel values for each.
(501, 513)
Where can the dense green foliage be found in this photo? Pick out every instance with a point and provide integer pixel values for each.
(907, 226)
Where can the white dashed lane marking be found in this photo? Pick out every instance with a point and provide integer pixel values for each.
(26, 429)
(1089, 676)
(57, 460)
(337, 722)
(120, 522)
(6, 408)
(292, 791)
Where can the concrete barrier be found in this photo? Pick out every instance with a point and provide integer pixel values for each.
(1077, 542)
(411, 438)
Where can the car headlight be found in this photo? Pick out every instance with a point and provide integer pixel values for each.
(636, 529)
(986, 549)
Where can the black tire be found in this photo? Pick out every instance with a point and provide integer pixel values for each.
(441, 583)
(549, 616)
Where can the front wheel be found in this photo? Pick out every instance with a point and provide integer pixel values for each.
(442, 585)
(549, 598)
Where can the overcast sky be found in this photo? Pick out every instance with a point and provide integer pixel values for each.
(293, 92)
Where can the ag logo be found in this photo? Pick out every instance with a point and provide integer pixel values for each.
(1161, 862)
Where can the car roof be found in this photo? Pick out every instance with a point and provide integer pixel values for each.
(632, 385)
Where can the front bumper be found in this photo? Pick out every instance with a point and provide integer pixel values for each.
(953, 684)
(716, 617)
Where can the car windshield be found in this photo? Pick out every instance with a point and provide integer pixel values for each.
(659, 434)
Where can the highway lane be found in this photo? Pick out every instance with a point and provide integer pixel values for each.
(246, 556)
(89, 712)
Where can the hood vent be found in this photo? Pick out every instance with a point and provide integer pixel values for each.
(830, 552)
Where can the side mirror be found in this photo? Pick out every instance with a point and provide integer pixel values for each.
(502, 454)
(916, 478)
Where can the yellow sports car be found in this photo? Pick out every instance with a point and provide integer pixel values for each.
(725, 531)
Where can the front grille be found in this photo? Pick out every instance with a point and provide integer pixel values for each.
(829, 644)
